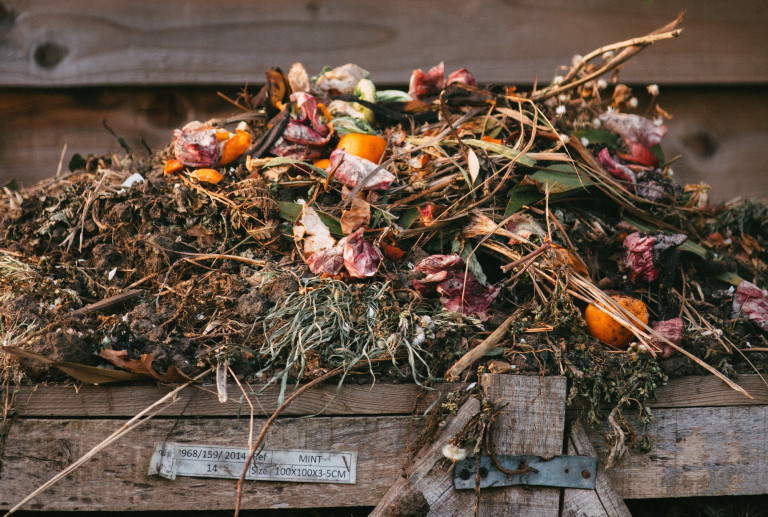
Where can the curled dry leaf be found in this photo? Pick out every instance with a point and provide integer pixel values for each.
(359, 214)
(143, 366)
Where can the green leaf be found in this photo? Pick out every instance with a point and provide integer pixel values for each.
(730, 277)
(503, 150)
(520, 196)
(282, 160)
(292, 211)
(597, 136)
(659, 153)
(409, 217)
(561, 178)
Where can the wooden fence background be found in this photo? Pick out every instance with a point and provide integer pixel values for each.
(145, 67)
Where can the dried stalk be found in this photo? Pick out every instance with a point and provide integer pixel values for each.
(630, 48)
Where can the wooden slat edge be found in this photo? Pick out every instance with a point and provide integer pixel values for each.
(708, 391)
(128, 400)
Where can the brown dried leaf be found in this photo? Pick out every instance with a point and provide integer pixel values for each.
(81, 372)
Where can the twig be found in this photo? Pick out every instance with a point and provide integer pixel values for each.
(488, 343)
(631, 47)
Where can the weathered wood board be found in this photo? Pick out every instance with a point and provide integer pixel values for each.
(603, 501)
(532, 422)
(202, 401)
(117, 479)
(708, 441)
(696, 451)
(47, 43)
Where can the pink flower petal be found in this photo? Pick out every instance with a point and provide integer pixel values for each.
(361, 258)
(459, 292)
(614, 167)
(672, 330)
(427, 84)
(461, 76)
(329, 261)
(634, 128)
(751, 302)
(638, 257)
(196, 145)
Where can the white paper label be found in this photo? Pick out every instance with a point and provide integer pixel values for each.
(214, 461)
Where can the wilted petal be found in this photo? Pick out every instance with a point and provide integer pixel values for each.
(463, 293)
(297, 132)
(634, 128)
(437, 263)
(309, 112)
(361, 258)
(196, 145)
(614, 167)
(350, 170)
(639, 154)
(298, 151)
(461, 76)
(329, 261)
(458, 291)
(751, 302)
(341, 80)
(638, 257)
(672, 331)
(427, 84)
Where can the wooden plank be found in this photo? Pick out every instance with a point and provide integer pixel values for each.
(696, 452)
(603, 500)
(117, 479)
(708, 391)
(128, 400)
(715, 131)
(531, 423)
(431, 475)
(48, 43)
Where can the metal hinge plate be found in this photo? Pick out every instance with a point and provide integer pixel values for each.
(559, 471)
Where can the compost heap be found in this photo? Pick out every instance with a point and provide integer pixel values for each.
(238, 247)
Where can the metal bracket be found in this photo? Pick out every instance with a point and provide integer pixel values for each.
(559, 471)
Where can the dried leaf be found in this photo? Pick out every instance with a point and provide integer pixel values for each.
(143, 366)
(473, 164)
(81, 372)
(359, 214)
(221, 381)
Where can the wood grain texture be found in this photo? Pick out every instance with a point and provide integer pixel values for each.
(716, 131)
(696, 452)
(531, 423)
(708, 391)
(47, 43)
(117, 479)
(202, 401)
(603, 500)
(431, 475)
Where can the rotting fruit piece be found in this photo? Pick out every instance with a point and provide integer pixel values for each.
(604, 327)
(234, 147)
(370, 147)
(207, 175)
